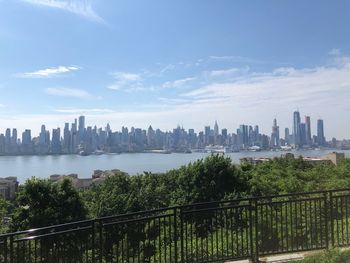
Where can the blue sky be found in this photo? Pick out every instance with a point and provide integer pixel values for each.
(187, 62)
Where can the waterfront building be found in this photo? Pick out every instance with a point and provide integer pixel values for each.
(321, 141)
(308, 130)
(56, 141)
(296, 128)
(303, 140)
(275, 135)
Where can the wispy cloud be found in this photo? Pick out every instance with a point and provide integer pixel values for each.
(2, 105)
(178, 83)
(82, 111)
(126, 81)
(240, 59)
(48, 72)
(228, 72)
(79, 7)
(334, 52)
(167, 68)
(68, 92)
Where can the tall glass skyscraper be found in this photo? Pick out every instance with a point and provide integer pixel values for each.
(296, 128)
(308, 130)
(320, 133)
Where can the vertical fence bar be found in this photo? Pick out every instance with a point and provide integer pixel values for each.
(11, 249)
(175, 234)
(326, 203)
(251, 230)
(93, 241)
(331, 217)
(256, 258)
(182, 237)
(101, 241)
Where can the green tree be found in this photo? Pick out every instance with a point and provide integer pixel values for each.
(209, 179)
(4, 207)
(42, 203)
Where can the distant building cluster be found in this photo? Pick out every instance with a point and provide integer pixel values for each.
(334, 158)
(77, 138)
(97, 178)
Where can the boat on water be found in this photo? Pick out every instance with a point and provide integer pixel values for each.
(215, 149)
(254, 148)
(159, 151)
(98, 152)
(83, 153)
(286, 148)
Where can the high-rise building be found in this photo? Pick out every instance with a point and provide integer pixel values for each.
(275, 135)
(56, 141)
(216, 133)
(81, 128)
(286, 136)
(243, 135)
(296, 128)
(302, 134)
(320, 133)
(206, 134)
(14, 137)
(308, 130)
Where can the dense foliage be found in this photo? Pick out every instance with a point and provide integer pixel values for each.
(214, 178)
(41, 203)
(329, 256)
(4, 208)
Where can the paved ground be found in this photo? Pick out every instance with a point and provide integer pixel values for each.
(276, 259)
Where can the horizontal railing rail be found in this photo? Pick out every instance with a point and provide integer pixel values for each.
(245, 228)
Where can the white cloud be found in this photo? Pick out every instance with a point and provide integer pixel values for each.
(79, 7)
(48, 72)
(83, 111)
(238, 59)
(67, 92)
(334, 52)
(2, 105)
(126, 80)
(167, 68)
(228, 72)
(178, 83)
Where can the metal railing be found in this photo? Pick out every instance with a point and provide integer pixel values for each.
(206, 232)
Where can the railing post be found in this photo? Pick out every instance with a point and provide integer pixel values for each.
(251, 230)
(326, 203)
(93, 240)
(181, 236)
(11, 249)
(5, 249)
(331, 216)
(101, 240)
(175, 235)
(256, 258)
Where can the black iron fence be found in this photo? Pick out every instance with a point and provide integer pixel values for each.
(206, 232)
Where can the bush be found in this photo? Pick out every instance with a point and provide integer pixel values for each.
(329, 256)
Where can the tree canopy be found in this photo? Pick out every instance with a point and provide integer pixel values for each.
(42, 203)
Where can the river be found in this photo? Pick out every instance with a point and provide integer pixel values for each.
(24, 167)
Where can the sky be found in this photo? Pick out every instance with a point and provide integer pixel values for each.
(167, 63)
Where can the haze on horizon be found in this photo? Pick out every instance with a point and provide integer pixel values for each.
(131, 63)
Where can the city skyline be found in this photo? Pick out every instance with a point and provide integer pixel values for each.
(230, 62)
(78, 137)
(265, 128)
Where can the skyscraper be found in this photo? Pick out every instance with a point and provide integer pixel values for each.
(81, 128)
(287, 135)
(243, 135)
(296, 128)
(308, 130)
(302, 134)
(275, 135)
(216, 133)
(320, 133)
